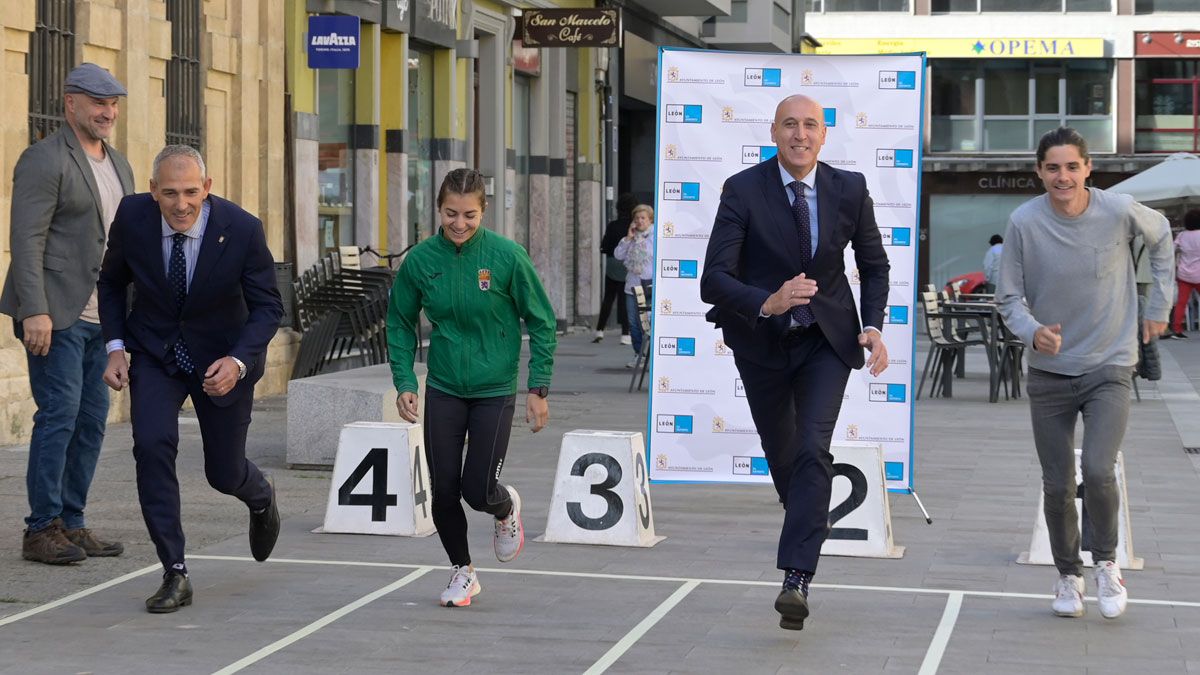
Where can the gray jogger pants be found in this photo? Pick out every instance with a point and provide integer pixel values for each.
(1055, 402)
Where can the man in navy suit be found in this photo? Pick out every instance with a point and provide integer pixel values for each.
(205, 308)
(776, 276)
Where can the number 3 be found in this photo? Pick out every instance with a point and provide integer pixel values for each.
(613, 476)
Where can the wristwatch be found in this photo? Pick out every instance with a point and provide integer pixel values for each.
(540, 391)
(241, 367)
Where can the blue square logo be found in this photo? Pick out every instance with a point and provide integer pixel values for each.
(906, 79)
(685, 346)
(690, 192)
(895, 394)
(831, 117)
(758, 466)
(904, 159)
(901, 236)
(893, 470)
(693, 114)
(683, 424)
(689, 269)
(897, 314)
(772, 77)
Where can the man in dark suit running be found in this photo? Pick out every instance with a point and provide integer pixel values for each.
(776, 276)
(206, 306)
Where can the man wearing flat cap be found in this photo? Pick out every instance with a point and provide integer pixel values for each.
(65, 193)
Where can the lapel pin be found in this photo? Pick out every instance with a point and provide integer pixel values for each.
(221, 239)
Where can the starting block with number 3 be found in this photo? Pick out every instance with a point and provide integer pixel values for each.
(380, 482)
(601, 491)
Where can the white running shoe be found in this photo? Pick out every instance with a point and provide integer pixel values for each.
(626, 340)
(599, 336)
(510, 533)
(1068, 596)
(1110, 589)
(632, 364)
(463, 586)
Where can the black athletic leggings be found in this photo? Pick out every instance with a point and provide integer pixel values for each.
(447, 420)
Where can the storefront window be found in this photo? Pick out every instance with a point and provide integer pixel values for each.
(335, 160)
(1149, 6)
(1168, 105)
(960, 228)
(1019, 100)
(858, 6)
(422, 220)
(944, 6)
(521, 86)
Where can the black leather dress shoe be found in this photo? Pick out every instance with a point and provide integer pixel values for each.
(264, 529)
(175, 592)
(792, 606)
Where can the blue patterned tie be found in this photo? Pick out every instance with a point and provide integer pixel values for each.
(802, 314)
(177, 276)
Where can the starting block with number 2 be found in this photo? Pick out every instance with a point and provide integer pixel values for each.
(380, 482)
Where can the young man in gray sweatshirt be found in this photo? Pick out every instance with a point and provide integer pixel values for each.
(1067, 289)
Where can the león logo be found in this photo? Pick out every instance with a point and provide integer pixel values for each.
(718, 424)
(660, 461)
(671, 151)
(673, 74)
(664, 384)
(851, 432)
(720, 349)
(665, 306)
(727, 113)
(860, 120)
(806, 77)
(668, 229)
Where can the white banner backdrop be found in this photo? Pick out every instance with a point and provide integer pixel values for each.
(715, 111)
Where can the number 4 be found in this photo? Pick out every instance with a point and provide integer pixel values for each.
(376, 462)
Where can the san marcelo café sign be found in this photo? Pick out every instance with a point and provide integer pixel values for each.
(571, 27)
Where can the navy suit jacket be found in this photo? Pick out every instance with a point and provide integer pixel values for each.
(232, 309)
(754, 247)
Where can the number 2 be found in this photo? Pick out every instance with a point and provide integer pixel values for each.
(858, 495)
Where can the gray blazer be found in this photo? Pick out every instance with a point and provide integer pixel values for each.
(57, 231)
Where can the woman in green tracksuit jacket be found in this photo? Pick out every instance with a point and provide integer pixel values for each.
(475, 287)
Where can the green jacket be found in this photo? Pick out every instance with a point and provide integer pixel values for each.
(475, 297)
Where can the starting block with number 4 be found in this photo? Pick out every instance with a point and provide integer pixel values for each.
(380, 482)
(601, 491)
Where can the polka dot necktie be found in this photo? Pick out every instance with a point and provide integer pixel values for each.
(802, 314)
(177, 275)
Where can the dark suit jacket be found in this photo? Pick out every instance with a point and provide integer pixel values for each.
(754, 248)
(57, 230)
(232, 308)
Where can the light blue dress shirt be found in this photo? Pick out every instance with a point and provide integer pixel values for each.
(810, 196)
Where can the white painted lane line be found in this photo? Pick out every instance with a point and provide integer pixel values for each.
(728, 582)
(610, 657)
(937, 647)
(321, 623)
(75, 596)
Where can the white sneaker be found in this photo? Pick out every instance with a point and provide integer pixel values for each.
(510, 533)
(599, 336)
(1068, 596)
(463, 586)
(1110, 590)
(626, 340)
(632, 364)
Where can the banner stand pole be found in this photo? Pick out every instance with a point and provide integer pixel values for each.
(913, 492)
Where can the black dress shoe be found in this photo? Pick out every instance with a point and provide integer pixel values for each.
(175, 592)
(792, 603)
(264, 528)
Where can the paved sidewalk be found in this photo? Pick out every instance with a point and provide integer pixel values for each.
(698, 602)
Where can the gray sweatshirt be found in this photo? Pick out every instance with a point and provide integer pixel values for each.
(1078, 272)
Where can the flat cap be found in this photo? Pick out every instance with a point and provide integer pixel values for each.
(91, 79)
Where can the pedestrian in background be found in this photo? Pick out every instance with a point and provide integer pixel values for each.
(636, 250)
(991, 263)
(66, 189)
(614, 270)
(1084, 340)
(1187, 270)
(476, 287)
